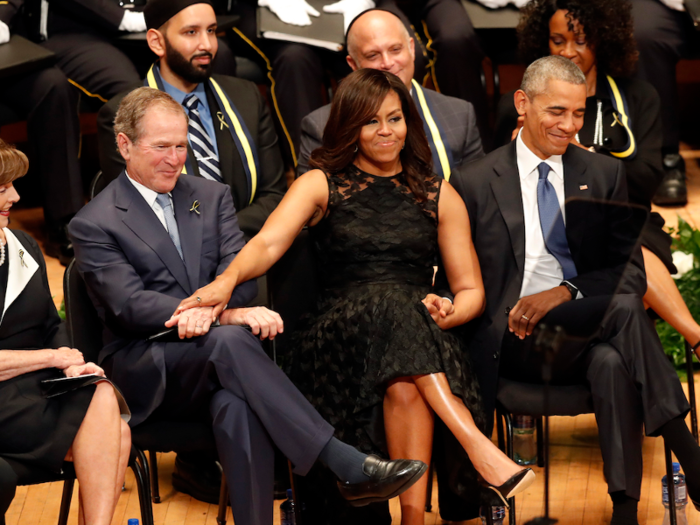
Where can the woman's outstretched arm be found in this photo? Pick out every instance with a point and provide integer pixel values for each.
(460, 261)
(304, 203)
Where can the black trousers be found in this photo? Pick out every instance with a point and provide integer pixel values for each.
(614, 348)
(664, 36)
(252, 405)
(48, 102)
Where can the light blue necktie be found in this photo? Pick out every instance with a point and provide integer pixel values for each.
(164, 201)
(201, 142)
(552, 223)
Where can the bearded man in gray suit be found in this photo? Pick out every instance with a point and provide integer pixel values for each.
(378, 39)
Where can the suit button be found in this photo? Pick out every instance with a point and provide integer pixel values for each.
(495, 355)
(507, 310)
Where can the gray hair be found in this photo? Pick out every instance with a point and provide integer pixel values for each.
(548, 68)
(133, 109)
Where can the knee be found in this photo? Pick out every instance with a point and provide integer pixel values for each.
(401, 393)
(627, 304)
(605, 361)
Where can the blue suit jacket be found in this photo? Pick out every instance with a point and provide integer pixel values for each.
(136, 278)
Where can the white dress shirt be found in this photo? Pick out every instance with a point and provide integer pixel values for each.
(150, 196)
(542, 270)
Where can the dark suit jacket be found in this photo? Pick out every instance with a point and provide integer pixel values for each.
(271, 181)
(136, 278)
(599, 240)
(456, 116)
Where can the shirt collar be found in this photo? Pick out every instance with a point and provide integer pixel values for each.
(528, 161)
(148, 194)
(180, 95)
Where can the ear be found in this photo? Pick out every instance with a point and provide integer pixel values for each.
(156, 42)
(521, 101)
(124, 144)
(351, 62)
(412, 48)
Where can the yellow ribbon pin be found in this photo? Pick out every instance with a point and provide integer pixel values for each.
(222, 121)
(616, 121)
(195, 207)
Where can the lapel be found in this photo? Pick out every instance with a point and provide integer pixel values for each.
(23, 267)
(189, 224)
(141, 220)
(574, 178)
(230, 161)
(506, 190)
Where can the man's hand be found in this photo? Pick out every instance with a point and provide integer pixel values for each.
(294, 12)
(133, 22)
(439, 308)
(193, 322)
(349, 9)
(262, 322)
(81, 370)
(216, 294)
(65, 357)
(529, 310)
(4, 33)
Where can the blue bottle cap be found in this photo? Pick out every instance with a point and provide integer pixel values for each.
(676, 468)
(133, 521)
(289, 496)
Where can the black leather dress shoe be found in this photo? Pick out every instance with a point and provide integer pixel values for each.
(200, 479)
(672, 191)
(387, 479)
(58, 244)
(516, 484)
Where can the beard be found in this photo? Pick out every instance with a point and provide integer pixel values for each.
(185, 68)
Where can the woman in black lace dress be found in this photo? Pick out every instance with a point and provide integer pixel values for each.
(380, 221)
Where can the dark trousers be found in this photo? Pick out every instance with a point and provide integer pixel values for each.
(616, 351)
(252, 405)
(458, 56)
(93, 63)
(48, 102)
(663, 36)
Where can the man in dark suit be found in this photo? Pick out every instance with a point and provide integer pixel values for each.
(378, 39)
(562, 266)
(236, 143)
(149, 240)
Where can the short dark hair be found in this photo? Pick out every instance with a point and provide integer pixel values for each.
(608, 25)
(357, 100)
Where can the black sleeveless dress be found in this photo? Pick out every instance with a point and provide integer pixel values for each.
(376, 247)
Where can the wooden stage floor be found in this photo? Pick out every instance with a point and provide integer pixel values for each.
(578, 490)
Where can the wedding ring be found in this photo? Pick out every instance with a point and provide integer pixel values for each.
(199, 326)
(524, 317)
(199, 299)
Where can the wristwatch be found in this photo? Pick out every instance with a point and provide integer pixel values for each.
(572, 289)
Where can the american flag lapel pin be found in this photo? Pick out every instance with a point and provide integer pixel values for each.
(583, 187)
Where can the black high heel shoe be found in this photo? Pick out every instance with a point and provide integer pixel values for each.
(515, 485)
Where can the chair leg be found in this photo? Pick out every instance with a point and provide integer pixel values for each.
(500, 431)
(670, 485)
(65, 501)
(509, 433)
(223, 501)
(298, 518)
(155, 487)
(144, 491)
(540, 441)
(691, 390)
(429, 489)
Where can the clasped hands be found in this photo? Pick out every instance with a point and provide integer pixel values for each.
(72, 363)
(197, 321)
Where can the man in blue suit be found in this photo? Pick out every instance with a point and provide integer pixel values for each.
(149, 240)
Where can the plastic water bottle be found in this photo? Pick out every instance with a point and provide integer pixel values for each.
(681, 496)
(498, 514)
(287, 510)
(133, 521)
(524, 445)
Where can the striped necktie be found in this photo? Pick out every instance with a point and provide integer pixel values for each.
(552, 223)
(201, 142)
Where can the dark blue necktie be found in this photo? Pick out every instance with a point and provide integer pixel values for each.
(553, 229)
(201, 142)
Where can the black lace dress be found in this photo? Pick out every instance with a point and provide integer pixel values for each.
(376, 248)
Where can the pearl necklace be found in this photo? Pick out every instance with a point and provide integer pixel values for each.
(2, 253)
